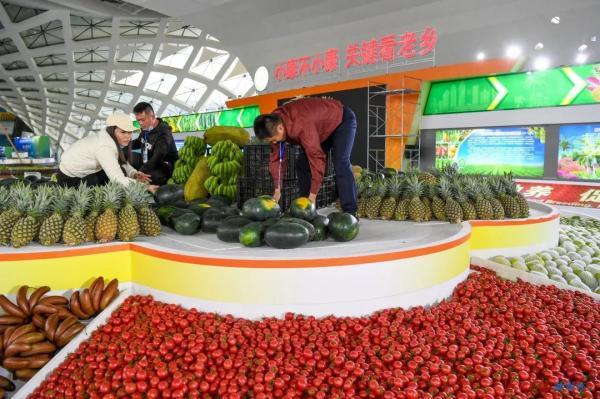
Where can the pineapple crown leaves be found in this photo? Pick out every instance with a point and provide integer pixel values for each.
(42, 201)
(414, 188)
(139, 195)
(81, 200)
(112, 196)
(394, 186)
(4, 198)
(61, 200)
(21, 197)
(97, 197)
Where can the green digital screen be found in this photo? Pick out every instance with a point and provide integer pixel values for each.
(562, 86)
(239, 117)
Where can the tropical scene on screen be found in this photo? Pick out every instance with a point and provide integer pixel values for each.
(519, 150)
(579, 152)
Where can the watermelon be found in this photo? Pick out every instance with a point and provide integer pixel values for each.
(260, 209)
(308, 225)
(343, 226)
(252, 234)
(320, 224)
(187, 223)
(199, 209)
(212, 219)
(303, 208)
(169, 194)
(229, 230)
(286, 235)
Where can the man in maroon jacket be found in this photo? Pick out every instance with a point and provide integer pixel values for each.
(316, 124)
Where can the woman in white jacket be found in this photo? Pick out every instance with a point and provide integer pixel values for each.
(99, 158)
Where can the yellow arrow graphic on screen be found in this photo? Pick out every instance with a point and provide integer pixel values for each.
(502, 91)
(578, 85)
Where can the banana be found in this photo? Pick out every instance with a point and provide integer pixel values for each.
(42, 308)
(50, 326)
(39, 349)
(15, 349)
(11, 320)
(38, 321)
(37, 295)
(30, 338)
(110, 293)
(64, 326)
(86, 302)
(6, 336)
(18, 333)
(76, 307)
(96, 292)
(15, 363)
(22, 299)
(55, 300)
(69, 334)
(25, 374)
(10, 308)
(6, 384)
(37, 361)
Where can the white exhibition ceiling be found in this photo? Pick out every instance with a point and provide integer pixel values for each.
(64, 69)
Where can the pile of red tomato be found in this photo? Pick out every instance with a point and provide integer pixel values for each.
(492, 339)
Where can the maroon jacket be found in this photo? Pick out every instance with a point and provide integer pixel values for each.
(308, 122)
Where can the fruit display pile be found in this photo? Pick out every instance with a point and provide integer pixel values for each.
(193, 149)
(492, 339)
(259, 222)
(438, 195)
(225, 164)
(37, 325)
(575, 261)
(53, 214)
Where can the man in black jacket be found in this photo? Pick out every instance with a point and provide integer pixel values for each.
(156, 144)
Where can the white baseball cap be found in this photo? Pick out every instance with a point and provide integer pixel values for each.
(121, 121)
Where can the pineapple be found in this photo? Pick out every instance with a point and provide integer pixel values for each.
(388, 206)
(452, 208)
(401, 211)
(469, 212)
(511, 206)
(416, 209)
(437, 203)
(74, 228)
(497, 208)
(20, 196)
(107, 222)
(521, 210)
(483, 208)
(27, 227)
(377, 191)
(147, 218)
(427, 178)
(128, 227)
(363, 189)
(95, 207)
(427, 202)
(52, 227)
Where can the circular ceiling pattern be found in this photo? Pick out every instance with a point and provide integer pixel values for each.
(63, 73)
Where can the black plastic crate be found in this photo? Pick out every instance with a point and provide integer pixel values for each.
(257, 156)
(328, 192)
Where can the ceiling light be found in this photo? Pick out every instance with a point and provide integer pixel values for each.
(480, 56)
(581, 58)
(593, 38)
(539, 46)
(555, 20)
(541, 63)
(513, 51)
(582, 48)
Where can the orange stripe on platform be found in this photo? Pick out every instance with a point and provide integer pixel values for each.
(247, 263)
(301, 263)
(513, 222)
(103, 249)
